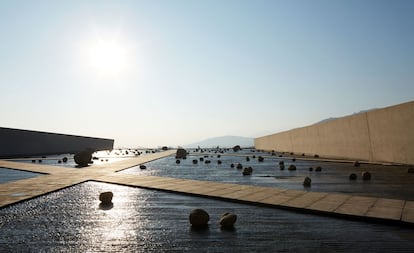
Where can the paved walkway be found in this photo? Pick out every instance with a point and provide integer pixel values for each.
(366, 208)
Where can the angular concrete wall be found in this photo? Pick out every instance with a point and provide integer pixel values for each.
(383, 135)
(19, 143)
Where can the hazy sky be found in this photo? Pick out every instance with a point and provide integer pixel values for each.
(151, 73)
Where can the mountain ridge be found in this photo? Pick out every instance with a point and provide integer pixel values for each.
(226, 141)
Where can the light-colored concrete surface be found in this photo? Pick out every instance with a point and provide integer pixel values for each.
(381, 135)
(55, 178)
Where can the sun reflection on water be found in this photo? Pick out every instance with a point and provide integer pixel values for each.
(118, 224)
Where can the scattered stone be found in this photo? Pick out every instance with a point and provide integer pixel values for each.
(310, 168)
(106, 198)
(181, 153)
(260, 159)
(292, 167)
(39, 160)
(254, 157)
(142, 167)
(236, 148)
(65, 159)
(201, 159)
(281, 166)
(307, 182)
(318, 169)
(227, 220)
(281, 162)
(316, 156)
(199, 218)
(357, 164)
(293, 159)
(352, 176)
(95, 158)
(33, 161)
(366, 176)
(247, 171)
(232, 165)
(219, 162)
(410, 170)
(239, 166)
(207, 161)
(164, 148)
(218, 156)
(59, 161)
(83, 158)
(195, 161)
(177, 161)
(247, 159)
(303, 154)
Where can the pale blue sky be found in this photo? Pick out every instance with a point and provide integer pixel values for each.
(199, 69)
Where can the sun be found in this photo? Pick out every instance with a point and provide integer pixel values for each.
(107, 58)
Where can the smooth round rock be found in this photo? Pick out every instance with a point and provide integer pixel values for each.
(227, 220)
(83, 158)
(181, 153)
(307, 182)
(352, 176)
(247, 171)
(199, 218)
(366, 175)
(106, 198)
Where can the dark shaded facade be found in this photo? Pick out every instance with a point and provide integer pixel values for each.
(20, 143)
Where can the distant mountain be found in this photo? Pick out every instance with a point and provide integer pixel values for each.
(355, 113)
(223, 142)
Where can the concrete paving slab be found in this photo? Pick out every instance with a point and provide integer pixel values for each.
(408, 212)
(306, 199)
(356, 205)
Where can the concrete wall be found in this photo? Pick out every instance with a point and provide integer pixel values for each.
(382, 135)
(19, 143)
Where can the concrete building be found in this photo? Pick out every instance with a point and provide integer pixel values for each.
(20, 143)
(381, 135)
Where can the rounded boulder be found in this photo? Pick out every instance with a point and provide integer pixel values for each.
(199, 218)
(83, 158)
(227, 220)
(106, 198)
(307, 182)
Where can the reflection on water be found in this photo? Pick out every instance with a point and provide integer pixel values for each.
(112, 224)
(140, 220)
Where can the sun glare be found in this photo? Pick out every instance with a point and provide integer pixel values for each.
(107, 58)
